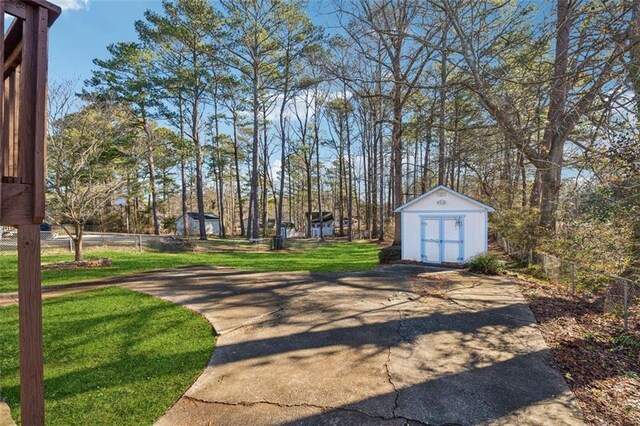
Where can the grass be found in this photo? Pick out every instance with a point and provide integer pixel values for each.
(112, 357)
(329, 257)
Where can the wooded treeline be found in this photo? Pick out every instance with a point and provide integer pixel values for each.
(269, 109)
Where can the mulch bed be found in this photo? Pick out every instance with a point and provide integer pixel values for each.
(599, 360)
(91, 263)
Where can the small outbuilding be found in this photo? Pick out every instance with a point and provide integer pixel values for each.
(444, 226)
(324, 220)
(211, 222)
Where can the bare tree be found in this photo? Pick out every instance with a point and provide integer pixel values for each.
(399, 28)
(81, 175)
(485, 31)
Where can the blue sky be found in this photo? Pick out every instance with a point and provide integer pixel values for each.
(86, 27)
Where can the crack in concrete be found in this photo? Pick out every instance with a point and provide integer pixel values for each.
(288, 302)
(252, 321)
(484, 312)
(8, 300)
(396, 401)
(324, 408)
(469, 287)
(520, 320)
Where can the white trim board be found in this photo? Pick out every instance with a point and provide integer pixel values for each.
(485, 207)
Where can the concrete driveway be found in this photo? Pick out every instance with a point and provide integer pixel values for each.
(365, 349)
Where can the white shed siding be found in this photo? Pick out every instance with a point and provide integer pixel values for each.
(212, 226)
(474, 223)
(327, 230)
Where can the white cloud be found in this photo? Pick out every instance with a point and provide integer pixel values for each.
(73, 4)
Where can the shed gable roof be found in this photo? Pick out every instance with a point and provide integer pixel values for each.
(449, 190)
(207, 216)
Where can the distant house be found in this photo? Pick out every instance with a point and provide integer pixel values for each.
(289, 227)
(324, 221)
(271, 224)
(211, 221)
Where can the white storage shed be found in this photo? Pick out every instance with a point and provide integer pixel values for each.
(444, 226)
(211, 223)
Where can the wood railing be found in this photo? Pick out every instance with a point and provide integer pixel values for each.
(23, 66)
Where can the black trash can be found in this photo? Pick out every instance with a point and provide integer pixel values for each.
(278, 243)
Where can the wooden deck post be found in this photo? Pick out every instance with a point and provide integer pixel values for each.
(23, 98)
(30, 314)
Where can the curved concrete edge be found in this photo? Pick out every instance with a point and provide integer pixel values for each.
(5, 414)
(5, 411)
(214, 334)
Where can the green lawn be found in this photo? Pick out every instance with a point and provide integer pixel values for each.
(329, 257)
(112, 357)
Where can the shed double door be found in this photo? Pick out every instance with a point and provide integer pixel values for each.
(442, 239)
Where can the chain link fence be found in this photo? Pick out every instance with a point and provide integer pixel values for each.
(620, 293)
(52, 242)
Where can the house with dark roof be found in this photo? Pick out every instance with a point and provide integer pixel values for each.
(324, 221)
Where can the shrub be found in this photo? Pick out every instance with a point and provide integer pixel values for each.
(390, 254)
(518, 225)
(485, 263)
(172, 245)
(170, 223)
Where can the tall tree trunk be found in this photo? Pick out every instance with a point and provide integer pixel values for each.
(265, 169)
(366, 171)
(309, 193)
(283, 171)
(522, 173)
(152, 174)
(253, 196)
(341, 175)
(316, 139)
(183, 169)
(237, 167)
(195, 135)
(349, 175)
(199, 179)
(374, 175)
(443, 107)
(552, 142)
(289, 193)
(396, 144)
(200, 192)
(382, 183)
(223, 233)
(154, 190)
(426, 173)
(283, 144)
(416, 158)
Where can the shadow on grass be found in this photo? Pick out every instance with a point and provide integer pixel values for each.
(112, 356)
